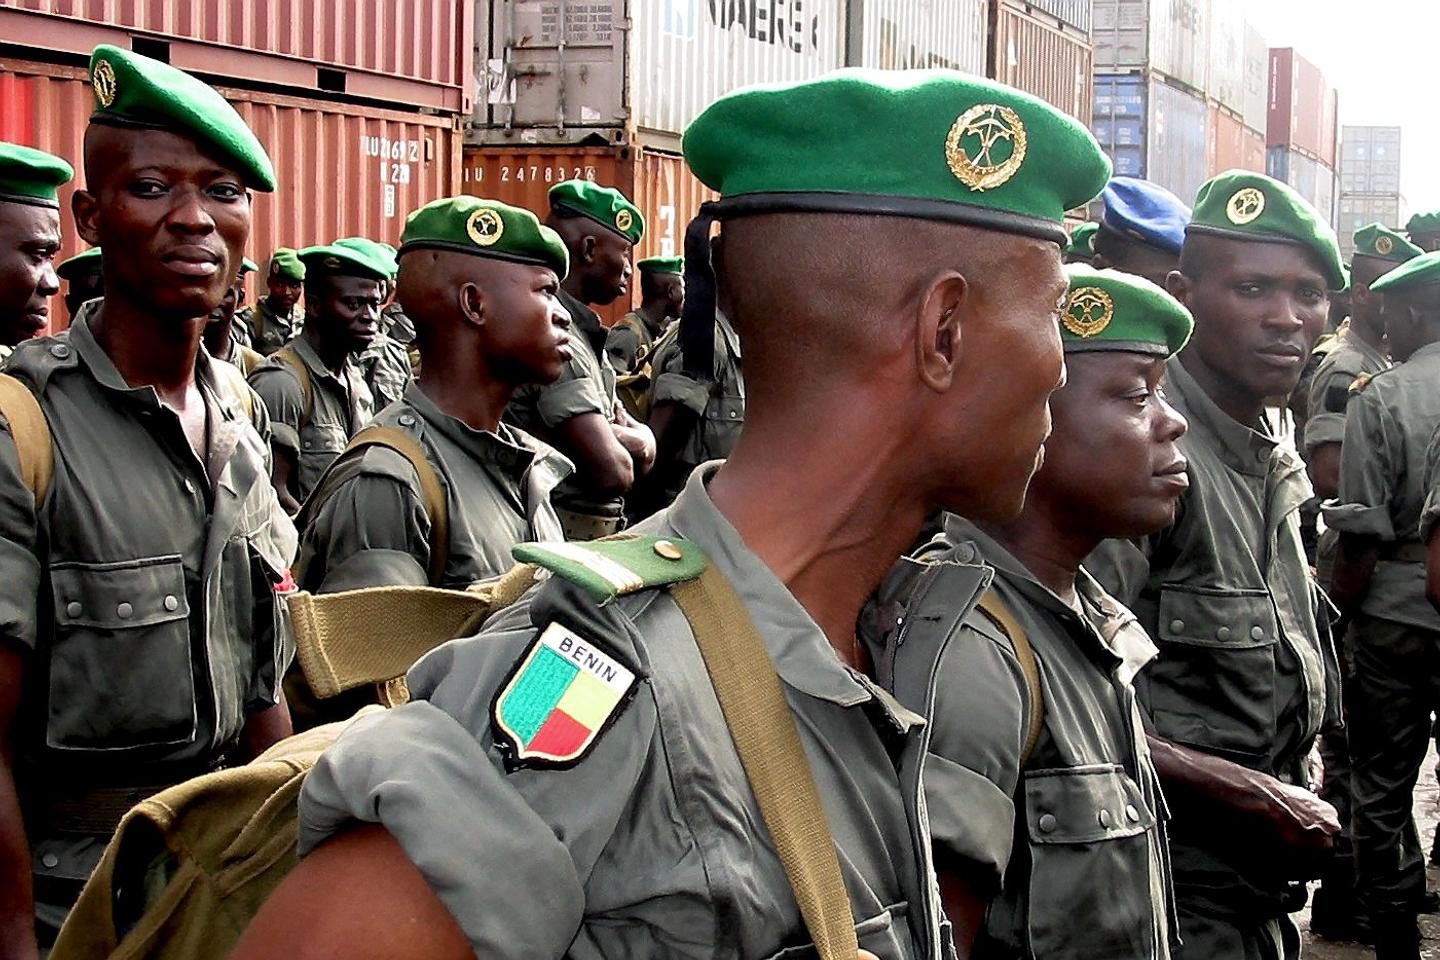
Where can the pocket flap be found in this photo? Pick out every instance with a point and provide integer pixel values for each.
(1217, 618)
(1084, 805)
(121, 595)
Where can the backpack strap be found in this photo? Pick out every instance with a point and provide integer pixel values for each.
(32, 436)
(436, 506)
(288, 356)
(232, 382)
(768, 743)
(999, 614)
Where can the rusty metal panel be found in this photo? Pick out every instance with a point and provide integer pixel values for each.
(1041, 57)
(1232, 145)
(405, 51)
(334, 180)
(669, 196)
(903, 34)
(1303, 107)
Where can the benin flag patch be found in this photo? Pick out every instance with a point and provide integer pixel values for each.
(559, 699)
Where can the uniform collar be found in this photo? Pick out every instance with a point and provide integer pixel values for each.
(512, 451)
(584, 319)
(1244, 449)
(1365, 350)
(318, 370)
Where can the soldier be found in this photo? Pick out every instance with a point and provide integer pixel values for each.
(219, 338)
(662, 296)
(1142, 229)
(646, 839)
(274, 320)
(312, 388)
(579, 413)
(384, 363)
(1378, 585)
(1245, 677)
(1044, 804)
(29, 240)
(141, 639)
(1081, 248)
(396, 324)
(84, 280)
(1424, 230)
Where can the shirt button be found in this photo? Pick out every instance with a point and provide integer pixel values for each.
(965, 553)
(1257, 632)
(171, 604)
(1177, 625)
(668, 550)
(734, 415)
(124, 610)
(1047, 822)
(1132, 813)
(50, 860)
(72, 609)
(1105, 819)
(406, 420)
(59, 351)
(1223, 633)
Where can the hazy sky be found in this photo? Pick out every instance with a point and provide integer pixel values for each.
(1381, 55)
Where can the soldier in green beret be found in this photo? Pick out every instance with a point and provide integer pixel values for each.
(1044, 803)
(384, 362)
(1379, 586)
(84, 278)
(662, 296)
(29, 240)
(867, 415)
(489, 321)
(1246, 677)
(312, 387)
(220, 339)
(1424, 230)
(141, 638)
(1081, 248)
(579, 414)
(275, 319)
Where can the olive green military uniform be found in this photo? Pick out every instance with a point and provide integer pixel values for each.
(1072, 835)
(143, 592)
(260, 328)
(1395, 637)
(397, 325)
(1243, 671)
(587, 385)
(651, 843)
(385, 367)
(313, 425)
(630, 342)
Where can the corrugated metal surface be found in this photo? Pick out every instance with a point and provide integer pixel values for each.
(1179, 127)
(1311, 179)
(1257, 79)
(900, 34)
(374, 166)
(1232, 145)
(1225, 83)
(1370, 160)
(1077, 13)
(1169, 36)
(1356, 211)
(669, 196)
(408, 51)
(1119, 121)
(1040, 58)
(1302, 109)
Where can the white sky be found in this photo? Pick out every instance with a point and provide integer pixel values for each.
(1381, 55)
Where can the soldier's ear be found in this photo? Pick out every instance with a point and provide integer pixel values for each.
(1178, 286)
(472, 304)
(86, 208)
(588, 243)
(937, 329)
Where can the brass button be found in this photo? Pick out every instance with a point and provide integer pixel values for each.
(1223, 633)
(1047, 822)
(1105, 819)
(124, 610)
(72, 609)
(668, 550)
(171, 604)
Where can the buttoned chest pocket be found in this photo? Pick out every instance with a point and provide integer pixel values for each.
(120, 668)
(1092, 884)
(320, 444)
(1213, 685)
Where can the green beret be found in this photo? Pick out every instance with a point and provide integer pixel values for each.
(655, 265)
(1422, 271)
(82, 264)
(248, 266)
(1423, 223)
(1382, 243)
(1110, 310)
(378, 254)
(605, 205)
(1242, 205)
(31, 176)
(485, 228)
(341, 261)
(1082, 240)
(284, 262)
(933, 144)
(131, 90)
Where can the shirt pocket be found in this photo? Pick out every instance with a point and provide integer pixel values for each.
(882, 934)
(320, 444)
(121, 670)
(1089, 831)
(1213, 685)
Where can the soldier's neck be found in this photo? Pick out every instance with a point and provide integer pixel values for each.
(1040, 541)
(470, 396)
(1371, 334)
(217, 338)
(1240, 405)
(331, 350)
(148, 350)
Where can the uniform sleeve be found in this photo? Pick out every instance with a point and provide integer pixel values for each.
(978, 731)
(1431, 511)
(569, 397)
(1329, 393)
(284, 403)
(621, 344)
(1121, 567)
(19, 565)
(1369, 469)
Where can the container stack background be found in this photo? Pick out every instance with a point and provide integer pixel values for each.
(1369, 181)
(1303, 131)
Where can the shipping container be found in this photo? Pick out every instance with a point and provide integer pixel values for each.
(1311, 179)
(660, 184)
(901, 34)
(1075, 13)
(1232, 145)
(1119, 121)
(413, 52)
(1225, 83)
(1255, 109)
(1302, 109)
(374, 166)
(1370, 160)
(1167, 36)
(585, 71)
(1040, 55)
(1153, 129)
(1359, 210)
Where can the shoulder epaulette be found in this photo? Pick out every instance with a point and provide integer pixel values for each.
(612, 568)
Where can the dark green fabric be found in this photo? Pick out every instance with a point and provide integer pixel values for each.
(80, 265)
(247, 266)
(607, 569)
(342, 260)
(1110, 310)
(1251, 206)
(376, 252)
(605, 205)
(1423, 223)
(485, 228)
(661, 265)
(284, 262)
(31, 176)
(1082, 240)
(1420, 272)
(1379, 241)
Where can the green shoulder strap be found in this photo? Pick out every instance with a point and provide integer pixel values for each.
(287, 356)
(32, 436)
(993, 607)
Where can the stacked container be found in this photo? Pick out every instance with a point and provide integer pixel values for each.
(360, 110)
(1369, 181)
(1301, 132)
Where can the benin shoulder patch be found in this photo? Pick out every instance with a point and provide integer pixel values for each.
(560, 697)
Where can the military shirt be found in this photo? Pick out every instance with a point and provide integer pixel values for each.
(1382, 481)
(315, 425)
(260, 328)
(587, 385)
(1330, 387)
(371, 528)
(630, 342)
(1079, 829)
(386, 368)
(719, 405)
(651, 844)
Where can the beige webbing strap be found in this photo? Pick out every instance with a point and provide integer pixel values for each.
(287, 356)
(436, 506)
(768, 743)
(32, 436)
(1000, 615)
(357, 637)
(232, 382)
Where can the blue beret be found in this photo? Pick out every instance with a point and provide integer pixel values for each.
(1144, 211)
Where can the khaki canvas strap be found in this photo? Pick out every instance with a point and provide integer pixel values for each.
(768, 743)
(287, 356)
(32, 436)
(436, 505)
(232, 382)
(992, 606)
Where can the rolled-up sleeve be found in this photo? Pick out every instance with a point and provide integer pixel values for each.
(370, 530)
(19, 566)
(284, 402)
(569, 397)
(1369, 470)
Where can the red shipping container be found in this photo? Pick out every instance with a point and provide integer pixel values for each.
(1232, 145)
(1302, 111)
(343, 170)
(416, 52)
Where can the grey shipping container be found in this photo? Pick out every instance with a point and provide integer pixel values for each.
(1370, 160)
(1358, 210)
(1039, 55)
(1256, 107)
(1168, 36)
(1154, 130)
(1311, 179)
(1076, 13)
(1226, 81)
(900, 34)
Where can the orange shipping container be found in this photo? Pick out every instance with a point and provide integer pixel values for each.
(658, 183)
(343, 170)
(1233, 146)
